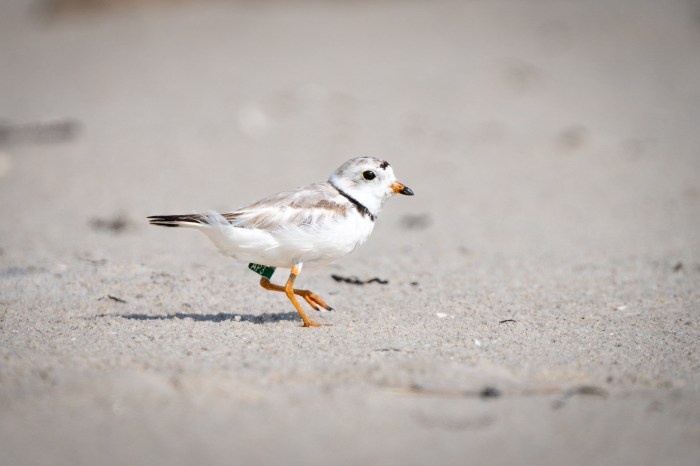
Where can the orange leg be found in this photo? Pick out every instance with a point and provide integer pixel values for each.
(308, 296)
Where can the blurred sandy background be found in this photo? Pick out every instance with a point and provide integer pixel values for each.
(543, 304)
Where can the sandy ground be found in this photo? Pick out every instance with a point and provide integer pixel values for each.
(543, 303)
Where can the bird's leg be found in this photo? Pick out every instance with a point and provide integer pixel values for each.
(309, 297)
(290, 292)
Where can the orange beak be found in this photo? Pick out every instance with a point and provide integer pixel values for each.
(401, 189)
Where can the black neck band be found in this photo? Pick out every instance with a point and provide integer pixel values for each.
(360, 207)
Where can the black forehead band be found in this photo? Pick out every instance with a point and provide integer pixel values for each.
(383, 165)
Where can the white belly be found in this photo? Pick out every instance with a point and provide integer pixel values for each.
(285, 247)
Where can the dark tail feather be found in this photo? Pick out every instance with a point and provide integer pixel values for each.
(177, 220)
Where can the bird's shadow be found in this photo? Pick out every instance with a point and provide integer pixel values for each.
(266, 318)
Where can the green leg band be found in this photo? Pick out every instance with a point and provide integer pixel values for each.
(263, 270)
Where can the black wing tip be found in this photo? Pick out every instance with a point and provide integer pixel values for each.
(163, 224)
(164, 220)
(176, 220)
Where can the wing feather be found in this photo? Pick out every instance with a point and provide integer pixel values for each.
(300, 208)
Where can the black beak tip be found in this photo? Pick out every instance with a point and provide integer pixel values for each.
(406, 191)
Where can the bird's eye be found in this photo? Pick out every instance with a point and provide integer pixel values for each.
(368, 175)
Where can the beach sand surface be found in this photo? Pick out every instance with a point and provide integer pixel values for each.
(543, 298)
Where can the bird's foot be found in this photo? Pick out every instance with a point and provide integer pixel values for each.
(313, 300)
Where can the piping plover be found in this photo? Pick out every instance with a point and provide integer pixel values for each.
(314, 225)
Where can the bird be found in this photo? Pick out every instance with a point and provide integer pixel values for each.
(312, 225)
